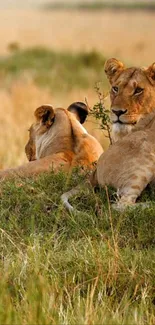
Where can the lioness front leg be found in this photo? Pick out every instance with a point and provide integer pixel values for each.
(129, 193)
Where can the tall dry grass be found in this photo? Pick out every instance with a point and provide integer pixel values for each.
(17, 106)
(126, 35)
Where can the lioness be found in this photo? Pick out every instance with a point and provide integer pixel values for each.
(132, 95)
(57, 139)
(132, 98)
(128, 165)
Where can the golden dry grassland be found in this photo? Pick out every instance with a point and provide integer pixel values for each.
(125, 35)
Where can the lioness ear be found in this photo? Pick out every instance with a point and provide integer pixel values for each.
(45, 114)
(113, 67)
(80, 109)
(150, 71)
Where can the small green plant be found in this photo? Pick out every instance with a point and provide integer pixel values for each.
(101, 113)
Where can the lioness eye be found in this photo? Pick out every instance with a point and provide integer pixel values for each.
(115, 89)
(138, 91)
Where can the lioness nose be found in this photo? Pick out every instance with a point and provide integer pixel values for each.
(119, 112)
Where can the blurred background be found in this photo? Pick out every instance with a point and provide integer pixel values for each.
(54, 51)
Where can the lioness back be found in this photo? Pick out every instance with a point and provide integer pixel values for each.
(60, 130)
(57, 139)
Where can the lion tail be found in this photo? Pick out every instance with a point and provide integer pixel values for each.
(65, 197)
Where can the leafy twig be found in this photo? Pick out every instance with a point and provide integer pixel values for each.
(100, 112)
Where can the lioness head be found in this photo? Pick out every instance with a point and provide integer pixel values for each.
(52, 130)
(132, 95)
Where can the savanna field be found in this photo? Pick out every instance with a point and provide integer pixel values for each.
(96, 266)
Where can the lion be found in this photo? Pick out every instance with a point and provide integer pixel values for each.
(132, 95)
(57, 139)
(128, 165)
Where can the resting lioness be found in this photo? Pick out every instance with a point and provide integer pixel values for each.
(58, 140)
(132, 95)
(128, 165)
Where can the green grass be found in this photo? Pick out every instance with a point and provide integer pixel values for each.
(89, 268)
(101, 5)
(60, 71)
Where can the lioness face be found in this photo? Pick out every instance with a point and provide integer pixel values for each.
(132, 95)
(50, 125)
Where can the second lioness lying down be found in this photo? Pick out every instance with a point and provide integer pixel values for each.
(57, 140)
(128, 165)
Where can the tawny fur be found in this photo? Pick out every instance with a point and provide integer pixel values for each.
(57, 140)
(132, 95)
(128, 165)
